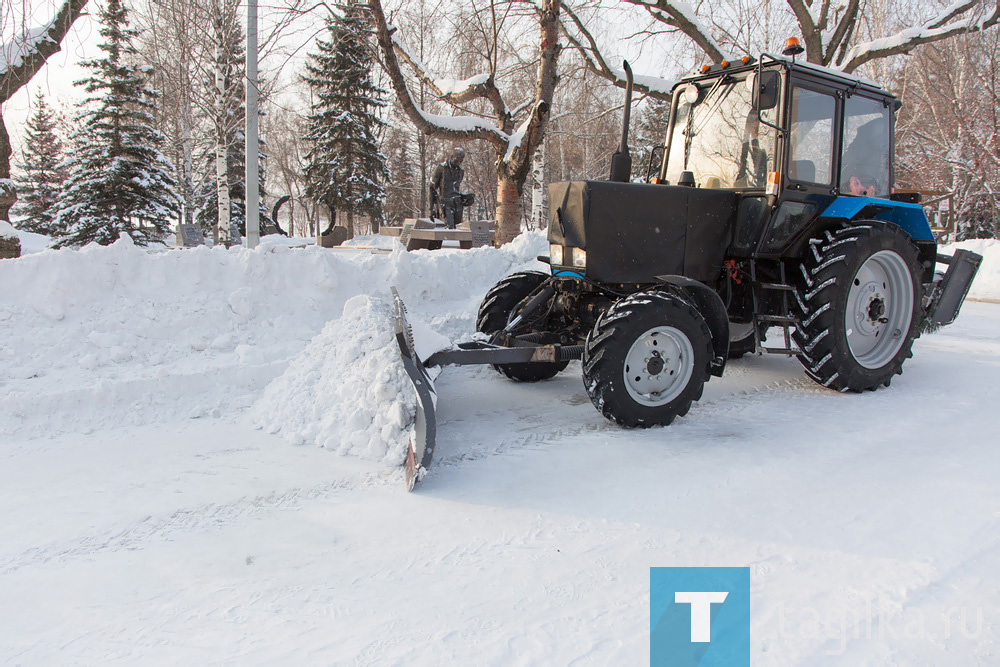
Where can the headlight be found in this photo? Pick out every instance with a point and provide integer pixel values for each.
(555, 254)
(579, 257)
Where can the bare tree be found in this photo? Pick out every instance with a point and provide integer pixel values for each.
(21, 58)
(838, 34)
(285, 162)
(513, 131)
(196, 49)
(948, 132)
(170, 38)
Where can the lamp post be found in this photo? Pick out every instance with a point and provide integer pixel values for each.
(252, 152)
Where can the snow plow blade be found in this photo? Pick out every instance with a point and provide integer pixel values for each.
(421, 450)
(951, 293)
(519, 351)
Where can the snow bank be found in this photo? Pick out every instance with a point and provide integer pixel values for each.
(986, 286)
(104, 336)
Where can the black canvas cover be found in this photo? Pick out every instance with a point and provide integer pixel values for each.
(633, 232)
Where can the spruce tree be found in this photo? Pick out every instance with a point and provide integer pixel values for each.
(41, 174)
(119, 179)
(345, 168)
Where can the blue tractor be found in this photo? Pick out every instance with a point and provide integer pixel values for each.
(769, 206)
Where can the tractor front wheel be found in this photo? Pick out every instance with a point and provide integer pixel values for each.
(500, 306)
(647, 359)
(859, 306)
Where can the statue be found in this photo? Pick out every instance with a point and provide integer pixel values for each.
(447, 200)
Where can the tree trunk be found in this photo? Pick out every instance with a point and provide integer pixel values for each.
(187, 147)
(508, 224)
(538, 188)
(222, 190)
(221, 141)
(8, 195)
(422, 152)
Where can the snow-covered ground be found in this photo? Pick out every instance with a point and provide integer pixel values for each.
(190, 473)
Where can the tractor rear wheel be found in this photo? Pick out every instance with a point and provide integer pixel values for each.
(499, 307)
(859, 306)
(647, 359)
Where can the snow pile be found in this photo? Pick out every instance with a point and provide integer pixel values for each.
(118, 335)
(373, 241)
(347, 391)
(30, 242)
(986, 286)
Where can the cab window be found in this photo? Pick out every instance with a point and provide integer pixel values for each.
(811, 141)
(719, 137)
(864, 165)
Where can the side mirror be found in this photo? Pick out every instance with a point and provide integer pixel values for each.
(767, 90)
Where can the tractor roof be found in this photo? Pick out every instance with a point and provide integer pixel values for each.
(825, 74)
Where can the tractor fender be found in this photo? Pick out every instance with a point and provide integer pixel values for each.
(911, 218)
(710, 305)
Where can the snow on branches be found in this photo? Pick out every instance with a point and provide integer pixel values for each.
(830, 28)
(22, 56)
(965, 16)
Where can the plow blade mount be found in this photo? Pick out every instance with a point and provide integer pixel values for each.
(421, 450)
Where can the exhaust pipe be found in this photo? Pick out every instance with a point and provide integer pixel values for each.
(621, 161)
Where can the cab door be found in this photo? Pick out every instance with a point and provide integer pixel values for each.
(811, 165)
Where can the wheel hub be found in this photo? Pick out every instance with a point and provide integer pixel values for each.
(876, 309)
(655, 364)
(879, 309)
(658, 366)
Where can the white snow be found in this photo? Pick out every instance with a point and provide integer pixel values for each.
(32, 243)
(199, 332)
(13, 52)
(444, 85)
(986, 286)
(347, 390)
(7, 230)
(957, 18)
(147, 521)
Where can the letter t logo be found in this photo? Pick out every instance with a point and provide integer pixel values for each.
(701, 612)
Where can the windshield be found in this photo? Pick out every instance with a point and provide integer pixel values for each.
(719, 138)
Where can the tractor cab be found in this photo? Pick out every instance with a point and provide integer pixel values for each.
(788, 139)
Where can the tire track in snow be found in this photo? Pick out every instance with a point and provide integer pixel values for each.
(542, 433)
(199, 518)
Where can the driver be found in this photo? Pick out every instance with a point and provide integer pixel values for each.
(865, 161)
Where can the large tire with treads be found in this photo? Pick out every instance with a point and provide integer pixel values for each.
(859, 305)
(647, 359)
(499, 306)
